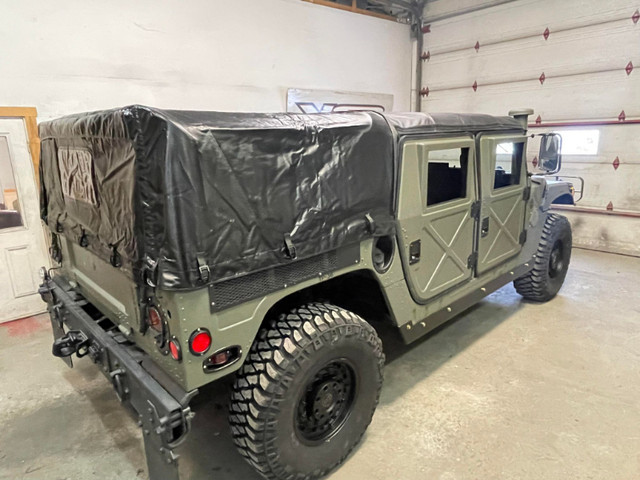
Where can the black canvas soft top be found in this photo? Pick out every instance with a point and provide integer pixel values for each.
(170, 194)
(419, 123)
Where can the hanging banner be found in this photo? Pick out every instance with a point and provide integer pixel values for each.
(317, 101)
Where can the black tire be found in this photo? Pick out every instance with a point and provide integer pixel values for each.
(552, 259)
(273, 412)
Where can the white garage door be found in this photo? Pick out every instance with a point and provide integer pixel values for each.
(22, 246)
(577, 63)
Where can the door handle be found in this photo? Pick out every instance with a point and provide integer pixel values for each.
(414, 252)
(484, 230)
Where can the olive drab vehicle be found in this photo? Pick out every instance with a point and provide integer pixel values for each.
(192, 246)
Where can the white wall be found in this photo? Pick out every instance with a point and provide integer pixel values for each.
(590, 43)
(238, 55)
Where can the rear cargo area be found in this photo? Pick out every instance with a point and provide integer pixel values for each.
(180, 199)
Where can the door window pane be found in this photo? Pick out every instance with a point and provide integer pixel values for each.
(508, 164)
(447, 175)
(10, 215)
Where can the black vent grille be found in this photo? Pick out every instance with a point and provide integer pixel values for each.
(235, 291)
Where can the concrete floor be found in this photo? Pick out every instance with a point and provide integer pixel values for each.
(510, 390)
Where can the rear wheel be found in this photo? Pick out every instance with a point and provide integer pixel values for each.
(307, 392)
(543, 282)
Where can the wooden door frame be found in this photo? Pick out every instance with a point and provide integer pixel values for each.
(29, 114)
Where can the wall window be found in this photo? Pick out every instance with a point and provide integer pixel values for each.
(580, 142)
(447, 175)
(10, 215)
(508, 164)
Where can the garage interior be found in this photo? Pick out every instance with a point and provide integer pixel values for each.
(510, 388)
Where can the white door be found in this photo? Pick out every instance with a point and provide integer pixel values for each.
(22, 243)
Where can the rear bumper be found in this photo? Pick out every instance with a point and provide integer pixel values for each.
(161, 405)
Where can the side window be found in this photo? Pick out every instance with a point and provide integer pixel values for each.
(508, 164)
(10, 215)
(447, 175)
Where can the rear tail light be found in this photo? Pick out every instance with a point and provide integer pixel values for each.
(175, 350)
(155, 319)
(222, 358)
(200, 341)
(158, 324)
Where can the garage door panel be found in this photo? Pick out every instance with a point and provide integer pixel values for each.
(604, 232)
(585, 93)
(603, 182)
(584, 59)
(513, 20)
(622, 140)
(604, 185)
(584, 53)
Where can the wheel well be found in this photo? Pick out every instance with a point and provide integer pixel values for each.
(359, 292)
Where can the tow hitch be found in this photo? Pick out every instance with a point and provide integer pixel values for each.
(72, 342)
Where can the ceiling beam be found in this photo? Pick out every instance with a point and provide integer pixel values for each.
(351, 8)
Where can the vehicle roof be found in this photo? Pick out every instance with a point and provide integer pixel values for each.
(403, 123)
(424, 123)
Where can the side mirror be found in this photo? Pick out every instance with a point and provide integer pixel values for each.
(550, 158)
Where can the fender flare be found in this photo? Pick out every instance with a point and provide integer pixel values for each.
(557, 192)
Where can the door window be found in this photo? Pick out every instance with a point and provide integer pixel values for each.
(508, 164)
(10, 214)
(447, 175)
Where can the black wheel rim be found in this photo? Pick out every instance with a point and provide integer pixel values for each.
(556, 259)
(326, 402)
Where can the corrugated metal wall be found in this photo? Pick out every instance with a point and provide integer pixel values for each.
(577, 63)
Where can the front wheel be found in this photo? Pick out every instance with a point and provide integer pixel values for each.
(543, 282)
(307, 392)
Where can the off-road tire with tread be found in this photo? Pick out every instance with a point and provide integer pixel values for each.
(543, 282)
(286, 354)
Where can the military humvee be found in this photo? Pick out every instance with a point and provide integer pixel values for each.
(195, 245)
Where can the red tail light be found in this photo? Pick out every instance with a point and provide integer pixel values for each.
(158, 324)
(175, 350)
(155, 320)
(200, 341)
(222, 358)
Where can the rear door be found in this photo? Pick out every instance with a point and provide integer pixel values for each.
(22, 243)
(504, 191)
(437, 192)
